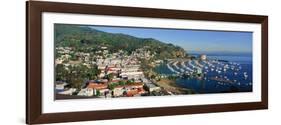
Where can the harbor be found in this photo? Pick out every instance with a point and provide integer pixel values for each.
(210, 75)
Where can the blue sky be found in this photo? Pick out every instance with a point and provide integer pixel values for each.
(192, 40)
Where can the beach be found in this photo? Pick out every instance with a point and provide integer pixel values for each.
(171, 86)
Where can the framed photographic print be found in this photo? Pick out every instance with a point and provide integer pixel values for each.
(92, 62)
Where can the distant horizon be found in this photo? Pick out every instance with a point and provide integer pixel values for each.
(191, 40)
(219, 52)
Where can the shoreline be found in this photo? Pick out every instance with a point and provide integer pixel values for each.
(171, 86)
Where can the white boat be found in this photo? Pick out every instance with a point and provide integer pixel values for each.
(186, 67)
(169, 67)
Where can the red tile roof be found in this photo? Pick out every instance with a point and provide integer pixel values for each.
(132, 92)
(136, 85)
(97, 86)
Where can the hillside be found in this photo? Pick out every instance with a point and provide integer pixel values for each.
(85, 38)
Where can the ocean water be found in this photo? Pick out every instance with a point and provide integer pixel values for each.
(240, 83)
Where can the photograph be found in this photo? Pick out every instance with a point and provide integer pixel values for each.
(93, 61)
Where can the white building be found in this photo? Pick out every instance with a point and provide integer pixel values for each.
(132, 75)
(68, 92)
(118, 91)
(61, 86)
(86, 92)
(151, 87)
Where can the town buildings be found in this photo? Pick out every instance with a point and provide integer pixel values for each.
(120, 74)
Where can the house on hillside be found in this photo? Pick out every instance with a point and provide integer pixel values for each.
(99, 89)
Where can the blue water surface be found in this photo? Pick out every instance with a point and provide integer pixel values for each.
(207, 85)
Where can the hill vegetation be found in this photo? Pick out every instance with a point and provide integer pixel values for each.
(84, 38)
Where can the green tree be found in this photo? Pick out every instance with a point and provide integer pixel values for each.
(112, 86)
(61, 72)
(153, 76)
(110, 77)
(93, 72)
(77, 75)
(98, 93)
(130, 81)
(122, 83)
